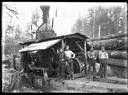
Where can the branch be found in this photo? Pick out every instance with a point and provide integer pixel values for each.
(12, 11)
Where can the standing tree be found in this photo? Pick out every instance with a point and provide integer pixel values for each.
(104, 21)
(11, 16)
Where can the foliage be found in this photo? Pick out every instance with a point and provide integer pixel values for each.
(14, 31)
(35, 17)
(111, 21)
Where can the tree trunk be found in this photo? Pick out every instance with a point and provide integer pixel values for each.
(117, 54)
(110, 44)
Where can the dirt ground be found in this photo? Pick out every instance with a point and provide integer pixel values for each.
(84, 84)
(79, 85)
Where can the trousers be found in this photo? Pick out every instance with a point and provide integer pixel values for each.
(92, 64)
(103, 67)
(61, 69)
(70, 61)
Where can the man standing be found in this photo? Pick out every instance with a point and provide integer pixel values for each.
(69, 55)
(103, 56)
(61, 65)
(92, 60)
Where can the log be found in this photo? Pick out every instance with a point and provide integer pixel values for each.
(108, 37)
(117, 54)
(110, 44)
(117, 62)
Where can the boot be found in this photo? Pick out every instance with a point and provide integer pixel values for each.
(73, 77)
(95, 78)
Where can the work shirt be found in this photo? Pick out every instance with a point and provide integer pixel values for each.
(103, 55)
(92, 54)
(69, 54)
(61, 56)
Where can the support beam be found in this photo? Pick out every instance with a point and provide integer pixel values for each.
(79, 46)
(62, 44)
(85, 51)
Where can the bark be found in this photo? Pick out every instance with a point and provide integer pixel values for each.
(117, 43)
(117, 54)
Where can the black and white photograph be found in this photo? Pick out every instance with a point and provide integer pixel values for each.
(64, 47)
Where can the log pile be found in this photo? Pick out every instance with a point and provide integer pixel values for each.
(116, 45)
(117, 54)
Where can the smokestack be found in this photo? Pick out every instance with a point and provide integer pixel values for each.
(45, 11)
(45, 30)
